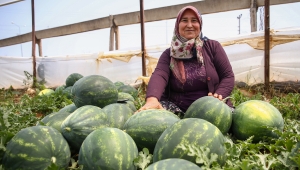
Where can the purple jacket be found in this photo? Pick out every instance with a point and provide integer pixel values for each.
(216, 77)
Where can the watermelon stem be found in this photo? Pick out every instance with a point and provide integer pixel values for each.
(68, 129)
(225, 99)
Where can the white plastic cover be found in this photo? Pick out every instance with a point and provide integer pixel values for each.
(246, 59)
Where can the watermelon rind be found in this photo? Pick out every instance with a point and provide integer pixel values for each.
(36, 148)
(94, 90)
(79, 124)
(117, 114)
(256, 118)
(173, 164)
(190, 131)
(213, 110)
(146, 126)
(72, 78)
(108, 148)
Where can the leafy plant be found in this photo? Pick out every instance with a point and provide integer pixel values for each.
(143, 159)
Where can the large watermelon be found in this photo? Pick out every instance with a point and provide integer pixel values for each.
(117, 114)
(213, 110)
(189, 131)
(55, 119)
(35, 148)
(72, 78)
(250, 118)
(81, 123)
(108, 148)
(94, 90)
(128, 89)
(173, 164)
(146, 126)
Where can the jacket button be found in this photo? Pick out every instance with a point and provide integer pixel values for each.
(208, 78)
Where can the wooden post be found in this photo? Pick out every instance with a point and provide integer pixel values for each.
(267, 45)
(33, 45)
(39, 43)
(142, 37)
(112, 32)
(253, 15)
(117, 37)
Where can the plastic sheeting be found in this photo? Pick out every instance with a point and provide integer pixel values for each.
(245, 54)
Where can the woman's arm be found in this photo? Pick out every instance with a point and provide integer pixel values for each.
(224, 70)
(158, 82)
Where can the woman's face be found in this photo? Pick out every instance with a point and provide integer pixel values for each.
(189, 26)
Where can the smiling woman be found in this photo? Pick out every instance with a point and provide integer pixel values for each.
(193, 67)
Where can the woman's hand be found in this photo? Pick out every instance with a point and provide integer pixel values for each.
(220, 97)
(151, 103)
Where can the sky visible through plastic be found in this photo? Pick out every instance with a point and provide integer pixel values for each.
(16, 19)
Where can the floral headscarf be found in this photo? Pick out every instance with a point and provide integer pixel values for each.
(181, 48)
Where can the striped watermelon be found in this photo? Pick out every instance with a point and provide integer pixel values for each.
(123, 95)
(173, 164)
(55, 119)
(81, 123)
(212, 110)
(94, 90)
(108, 148)
(189, 131)
(117, 114)
(131, 105)
(146, 126)
(128, 89)
(72, 78)
(250, 118)
(35, 148)
(69, 108)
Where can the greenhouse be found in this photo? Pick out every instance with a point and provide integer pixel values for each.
(74, 79)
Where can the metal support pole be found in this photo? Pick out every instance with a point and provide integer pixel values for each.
(19, 34)
(239, 18)
(143, 37)
(33, 44)
(267, 45)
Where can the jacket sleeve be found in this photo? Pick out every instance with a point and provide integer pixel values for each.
(160, 77)
(224, 71)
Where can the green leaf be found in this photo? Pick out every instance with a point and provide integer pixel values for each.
(143, 159)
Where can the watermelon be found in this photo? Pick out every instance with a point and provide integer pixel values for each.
(146, 126)
(125, 96)
(173, 164)
(213, 110)
(35, 148)
(131, 105)
(55, 119)
(69, 108)
(46, 92)
(94, 90)
(67, 92)
(72, 78)
(60, 88)
(117, 114)
(81, 123)
(252, 117)
(128, 89)
(108, 148)
(190, 131)
(118, 84)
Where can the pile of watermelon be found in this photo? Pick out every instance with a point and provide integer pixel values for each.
(102, 127)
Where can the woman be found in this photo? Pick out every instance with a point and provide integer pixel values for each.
(191, 68)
